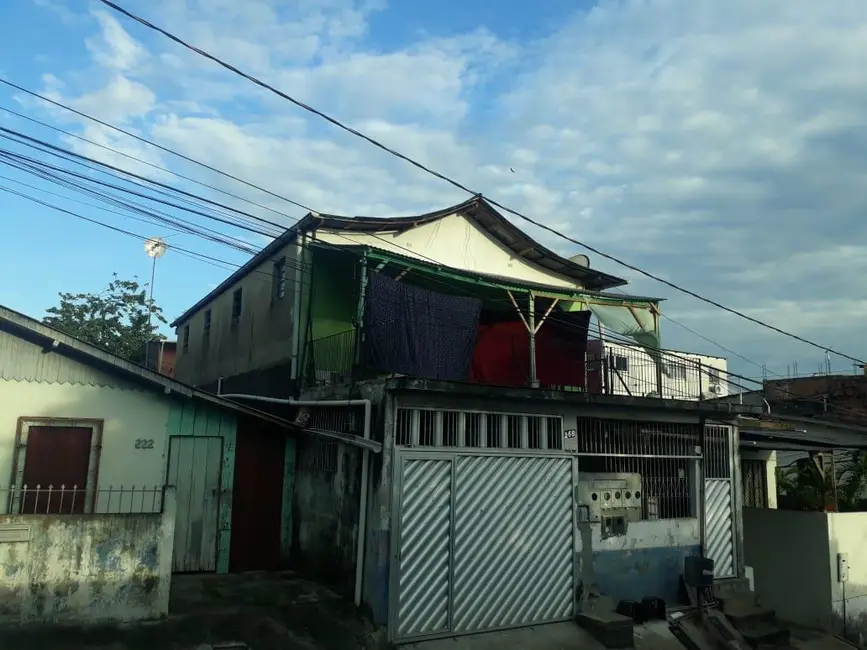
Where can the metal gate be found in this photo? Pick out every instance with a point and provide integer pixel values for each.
(719, 501)
(484, 542)
(194, 470)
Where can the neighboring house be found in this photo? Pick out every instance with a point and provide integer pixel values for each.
(819, 555)
(77, 418)
(160, 357)
(506, 494)
(618, 368)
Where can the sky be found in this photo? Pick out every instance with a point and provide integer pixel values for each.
(720, 144)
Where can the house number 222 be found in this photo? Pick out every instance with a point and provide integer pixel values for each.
(144, 443)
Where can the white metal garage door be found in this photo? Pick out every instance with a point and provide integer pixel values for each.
(485, 542)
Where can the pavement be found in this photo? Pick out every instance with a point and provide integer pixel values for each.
(259, 611)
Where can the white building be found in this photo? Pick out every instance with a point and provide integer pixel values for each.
(623, 369)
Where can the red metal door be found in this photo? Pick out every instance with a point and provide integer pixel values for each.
(257, 498)
(56, 456)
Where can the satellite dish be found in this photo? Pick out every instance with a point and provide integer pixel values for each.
(155, 247)
(580, 260)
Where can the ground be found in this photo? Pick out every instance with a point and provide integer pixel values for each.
(281, 611)
(265, 611)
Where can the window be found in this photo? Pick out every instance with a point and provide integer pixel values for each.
(206, 332)
(55, 466)
(186, 337)
(237, 298)
(621, 364)
(713, 375)
(279, 280)
(677, 371)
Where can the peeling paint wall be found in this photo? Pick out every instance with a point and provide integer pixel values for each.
(86, 568)
(325, 511)
(645, 562)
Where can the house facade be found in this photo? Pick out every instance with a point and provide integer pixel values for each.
(85, 432)
(508, 491)
(618, 368)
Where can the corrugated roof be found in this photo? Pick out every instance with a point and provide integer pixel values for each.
(476, 209)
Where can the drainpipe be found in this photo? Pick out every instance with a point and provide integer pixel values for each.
(365, 468)
(534, 380)
(294, 372)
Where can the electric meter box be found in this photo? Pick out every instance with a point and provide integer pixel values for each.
(598, 495)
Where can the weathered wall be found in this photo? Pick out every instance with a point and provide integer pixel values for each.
(191, 419)
(789, 553)
(847, 533)
(325, 511)
(646, 562)
(263, 337)
(86, 568)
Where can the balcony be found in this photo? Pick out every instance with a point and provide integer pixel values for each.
(330, 361)
(615, 370)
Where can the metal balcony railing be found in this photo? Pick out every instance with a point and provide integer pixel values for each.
(331, 360)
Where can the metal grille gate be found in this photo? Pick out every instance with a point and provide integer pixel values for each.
(719, 500)
(485, 542)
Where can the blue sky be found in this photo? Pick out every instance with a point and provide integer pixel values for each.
(718, 144)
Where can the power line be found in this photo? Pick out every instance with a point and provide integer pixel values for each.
(130, 134)
(66, 154)
(457, 184)
(137, 159)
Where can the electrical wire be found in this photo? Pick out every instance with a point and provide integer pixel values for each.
(310, 109)
(160, 168)
(135, 136)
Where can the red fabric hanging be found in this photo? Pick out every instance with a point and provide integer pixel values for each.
(502, 354)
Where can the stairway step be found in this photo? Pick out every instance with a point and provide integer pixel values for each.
(739, 603)
(609, 628)
(729, 587)
(762, 633)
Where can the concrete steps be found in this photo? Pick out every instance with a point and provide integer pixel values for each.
(755, 622)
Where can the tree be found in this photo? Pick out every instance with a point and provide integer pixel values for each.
(120, 319)
(819, 484)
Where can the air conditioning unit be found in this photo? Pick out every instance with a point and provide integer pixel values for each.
(716, 389)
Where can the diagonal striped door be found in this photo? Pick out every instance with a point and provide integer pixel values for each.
(485, 543)
(720, 538)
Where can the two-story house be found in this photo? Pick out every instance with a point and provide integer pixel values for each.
(506, 493)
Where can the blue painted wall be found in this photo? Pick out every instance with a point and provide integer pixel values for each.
(641, 573)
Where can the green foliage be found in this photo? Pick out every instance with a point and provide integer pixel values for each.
(120, 319)
(844, 483)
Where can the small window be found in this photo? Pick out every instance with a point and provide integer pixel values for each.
(713, 375)
(279, 280)
(237, 298)
(677, 371)
(621, 364)
(206, 332)
(186, 337)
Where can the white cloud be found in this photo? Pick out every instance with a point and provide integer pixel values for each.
(718, 144)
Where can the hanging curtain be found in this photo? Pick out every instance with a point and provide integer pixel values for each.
(417, 332)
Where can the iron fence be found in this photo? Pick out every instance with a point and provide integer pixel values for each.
(75, 500)
(625, 370)
(331, 359)
(663, 457)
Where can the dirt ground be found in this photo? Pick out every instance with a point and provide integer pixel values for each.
(261, 611)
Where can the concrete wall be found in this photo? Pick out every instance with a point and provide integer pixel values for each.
(789, 554)
(86, 568)
(847, 533)
(646, 562)
(325, 511)
(263, 337)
